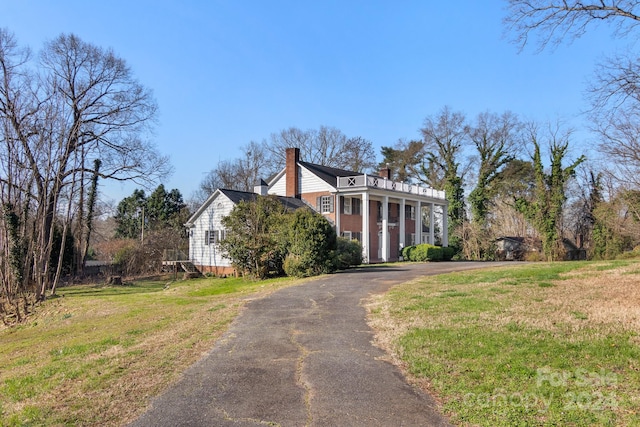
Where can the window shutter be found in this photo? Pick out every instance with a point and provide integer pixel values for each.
(331, 202)
(319, 204)
(341, 204)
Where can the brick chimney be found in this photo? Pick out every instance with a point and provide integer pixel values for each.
(291, 172)
(385, 173)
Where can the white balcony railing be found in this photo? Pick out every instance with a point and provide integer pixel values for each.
(372, 181)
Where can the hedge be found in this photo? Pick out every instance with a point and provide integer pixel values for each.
(426, 252)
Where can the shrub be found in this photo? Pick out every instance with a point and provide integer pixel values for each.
(448, 253)
(311, 243)
(419, 254)
(532, 256)
(434, 253)
(295, 266)
(253, 240)
(348, 253)
(406, 252)
(425, 252)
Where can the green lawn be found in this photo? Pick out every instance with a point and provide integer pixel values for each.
(96, 354)
(541, 344)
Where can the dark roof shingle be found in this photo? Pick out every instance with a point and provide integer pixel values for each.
(328, 174)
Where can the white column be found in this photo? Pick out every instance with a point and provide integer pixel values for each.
(338, 214)
(418, 223)
(445, 226)
(402, 219)
(365, 228)
(385, 228)
(431, 224)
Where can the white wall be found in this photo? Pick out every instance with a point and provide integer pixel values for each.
(200, 252)
(310, 183)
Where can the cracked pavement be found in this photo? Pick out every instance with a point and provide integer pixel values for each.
(303, 356)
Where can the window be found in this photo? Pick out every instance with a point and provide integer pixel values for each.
(355, 206)
(409, 212)
(347, 205)
(324, 204)
(352, 235)
(212, 237)
(351, 206)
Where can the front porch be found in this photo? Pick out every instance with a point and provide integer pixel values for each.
(393, 215)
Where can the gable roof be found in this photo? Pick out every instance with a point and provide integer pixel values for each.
(239, 196)
(327, 174)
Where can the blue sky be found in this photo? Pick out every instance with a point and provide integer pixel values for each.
(228, 72)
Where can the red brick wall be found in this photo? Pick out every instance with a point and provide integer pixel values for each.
(312, 200)
(291, 172)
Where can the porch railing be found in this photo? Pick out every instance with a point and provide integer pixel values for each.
(372, 181)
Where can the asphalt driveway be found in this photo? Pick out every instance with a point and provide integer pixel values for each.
(303, 356)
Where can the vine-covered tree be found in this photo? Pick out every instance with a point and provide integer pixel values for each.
(495, 138)
(445, 138)
(545, 210)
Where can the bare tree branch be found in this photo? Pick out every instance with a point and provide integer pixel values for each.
(554, 21)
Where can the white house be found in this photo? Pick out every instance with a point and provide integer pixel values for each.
(206, 230)
(383, 215)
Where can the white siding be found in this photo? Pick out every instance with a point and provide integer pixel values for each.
(201, 253)
(310, 183)
(279, 187)
(307, 183)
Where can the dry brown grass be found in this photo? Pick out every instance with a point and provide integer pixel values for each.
(609, 299)
(583, 298)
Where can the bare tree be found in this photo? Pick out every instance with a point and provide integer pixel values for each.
(78, 104)
(614, 92)
(326, 146)
(556, 21)
(615, 117)
(361, 156)
(240, 174)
